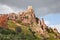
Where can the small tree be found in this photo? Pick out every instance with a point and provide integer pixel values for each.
(18, 29)
(26, 17)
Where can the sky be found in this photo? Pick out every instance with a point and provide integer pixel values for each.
(53, 21)
(47, 9)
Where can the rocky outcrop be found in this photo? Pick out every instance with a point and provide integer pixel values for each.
(12, 16)
(28, 17)
(3, 20)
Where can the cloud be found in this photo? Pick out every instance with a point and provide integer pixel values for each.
(7, 9)
(42, 11)
(47, 23)
(43, 7)
(18, 9)
(57, 26)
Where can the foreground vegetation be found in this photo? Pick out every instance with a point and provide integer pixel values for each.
(6, 34)
(22, 33)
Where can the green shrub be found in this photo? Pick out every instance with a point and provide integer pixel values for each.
(18, 29)
(6, 31)
(19, 21)
(26, 17)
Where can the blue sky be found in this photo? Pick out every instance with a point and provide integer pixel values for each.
(53, 18)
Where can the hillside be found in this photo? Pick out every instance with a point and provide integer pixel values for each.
(25, 26)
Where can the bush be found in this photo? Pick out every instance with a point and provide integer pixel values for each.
(26, 17)
(18, 29)
(6, 31)
(19, 21)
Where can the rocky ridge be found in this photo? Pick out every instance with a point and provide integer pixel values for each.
(28, 18)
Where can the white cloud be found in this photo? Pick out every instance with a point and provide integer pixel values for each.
(47, 23)
(8, 9)
(45, 6)
(5, 9)
(18, 9)
(57, 26)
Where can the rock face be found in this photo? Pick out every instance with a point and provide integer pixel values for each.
(38, 26)
(12, 16)
(3, 20)
(27, 16)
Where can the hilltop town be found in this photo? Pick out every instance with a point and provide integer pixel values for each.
(28, 20)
